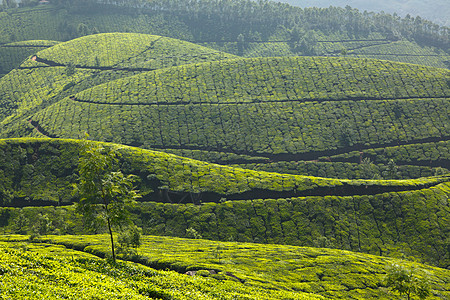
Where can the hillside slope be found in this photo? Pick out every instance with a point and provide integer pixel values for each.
(384, 217)
(265, 110)
(13, 54)
(49, 272)
(70, 67)
(242, 27)
(283, 272)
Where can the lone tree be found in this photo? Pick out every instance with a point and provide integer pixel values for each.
(104, 194)
(406, 281)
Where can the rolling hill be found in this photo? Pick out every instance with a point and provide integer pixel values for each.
(247, 111)
(243, 270)
(383, 217)
(264, 28)
(46, 78)
(243, 121)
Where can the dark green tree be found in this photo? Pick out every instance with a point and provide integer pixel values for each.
(104, 193)
(407, 282)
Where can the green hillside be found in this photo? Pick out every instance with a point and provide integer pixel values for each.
(44, 271)
(383, 217)
(277, 109)
(242, 27)
(13, 54)
(219, 111)
(260, 127)
(245, 271)
(46, 77)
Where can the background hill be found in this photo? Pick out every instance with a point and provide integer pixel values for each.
(258, 29)
(436, 11)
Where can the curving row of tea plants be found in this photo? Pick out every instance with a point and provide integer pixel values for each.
(330, 273)
(275, 79)
(36, 85)
(261, 129)
(45, 271)
(44, 169)
(435, 153)
(335, 169)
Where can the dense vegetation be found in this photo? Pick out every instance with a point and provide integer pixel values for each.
(322, 146)
(379, 217)
(321, 106)
(13, 54)
(44, 271)
(243, 27)
(59, 71)
(331, 273)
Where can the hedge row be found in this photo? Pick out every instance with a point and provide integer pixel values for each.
(398, 224)
(275, 79)
(431, 153)
(272, 129)
(39, 171)
(366, 169)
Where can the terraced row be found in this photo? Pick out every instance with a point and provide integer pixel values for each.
(37, 85)
(269, 129)
(275, 79)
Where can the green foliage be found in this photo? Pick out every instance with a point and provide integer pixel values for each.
(130, 238)
(192, 233)
(178, 109)
(13, 54)
(406, 281)
(30, 164)
(107, 57)
(331, 273)
(101, 190)
(305, 31)
(45, 271)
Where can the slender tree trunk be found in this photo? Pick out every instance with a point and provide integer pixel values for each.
(112, 241)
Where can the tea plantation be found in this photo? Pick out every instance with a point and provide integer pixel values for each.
(276, 152)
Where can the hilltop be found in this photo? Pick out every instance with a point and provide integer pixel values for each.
(258, 29)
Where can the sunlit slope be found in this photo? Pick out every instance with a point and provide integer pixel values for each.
(330, 273)
(43, 170)
(275, 79)
(46, 78)
(80, 275)
(281, 108)
(384, 217)
(127, 51)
